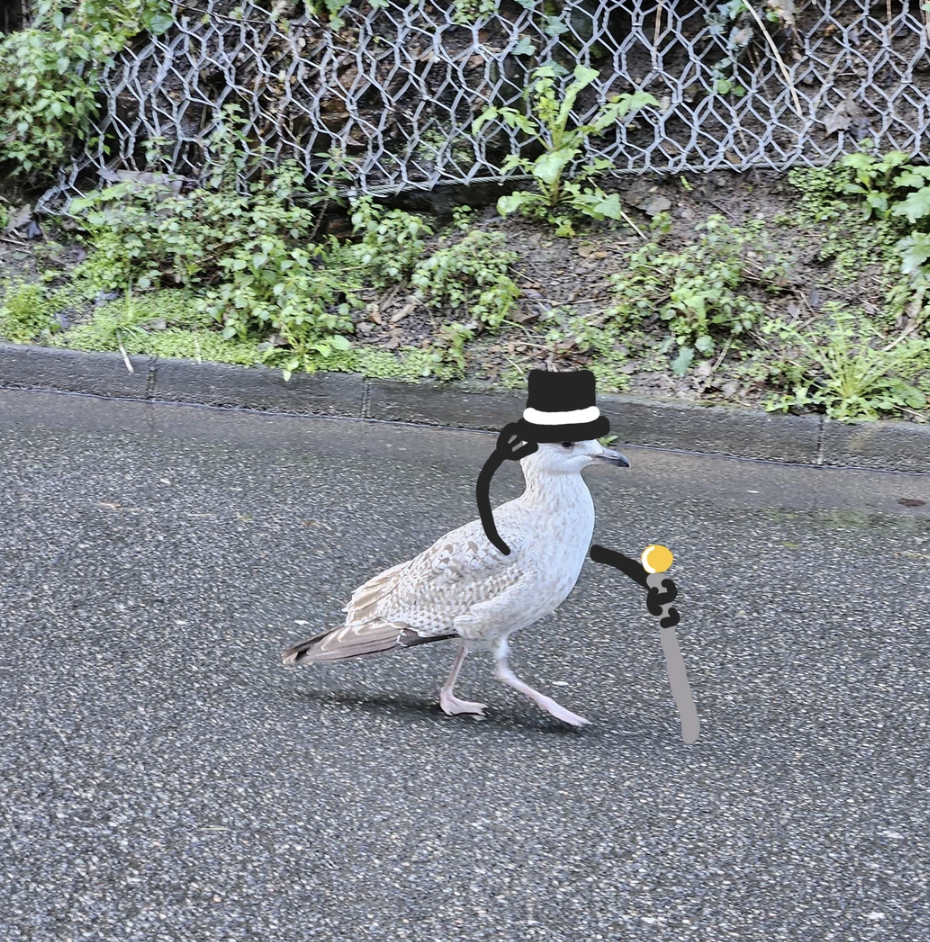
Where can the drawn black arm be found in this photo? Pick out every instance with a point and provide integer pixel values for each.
(656, 598)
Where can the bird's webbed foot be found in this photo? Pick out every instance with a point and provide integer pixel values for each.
(452, 706)
(561, 713)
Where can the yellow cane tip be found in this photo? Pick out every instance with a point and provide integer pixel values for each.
(657, 558)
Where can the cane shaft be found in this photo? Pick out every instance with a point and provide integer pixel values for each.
(677, 675)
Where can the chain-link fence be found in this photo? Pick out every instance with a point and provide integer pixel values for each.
(397, 85)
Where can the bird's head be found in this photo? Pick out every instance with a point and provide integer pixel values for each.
(572, 457)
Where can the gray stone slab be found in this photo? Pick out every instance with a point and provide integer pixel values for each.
(432, 404)
(223, 384)
(713, 429)
(897, 446)
(887, 446)
(98, 374)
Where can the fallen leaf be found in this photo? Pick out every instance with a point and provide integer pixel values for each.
(403, 312)
(841, 117)
(19, 218)
(656, 204)
(741, 37)
(786, 11)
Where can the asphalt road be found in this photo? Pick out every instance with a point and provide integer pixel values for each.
(164, 777)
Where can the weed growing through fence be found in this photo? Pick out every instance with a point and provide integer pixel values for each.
(562, 184)
(464, 11)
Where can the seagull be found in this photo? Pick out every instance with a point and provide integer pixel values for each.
(465, 590)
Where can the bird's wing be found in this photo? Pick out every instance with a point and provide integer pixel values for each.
(445, 582)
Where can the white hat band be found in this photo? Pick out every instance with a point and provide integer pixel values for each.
(577, 417)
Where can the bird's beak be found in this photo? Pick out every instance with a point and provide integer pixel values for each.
(613, 457)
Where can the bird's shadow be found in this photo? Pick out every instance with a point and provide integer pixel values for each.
(411, 709)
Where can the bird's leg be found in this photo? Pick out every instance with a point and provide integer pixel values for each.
(505, 674)
(447, 700)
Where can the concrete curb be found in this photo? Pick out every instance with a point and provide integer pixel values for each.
(743, 433)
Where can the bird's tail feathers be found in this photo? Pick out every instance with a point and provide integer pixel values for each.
(344, 642)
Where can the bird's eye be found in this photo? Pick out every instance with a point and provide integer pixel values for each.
(567, 444)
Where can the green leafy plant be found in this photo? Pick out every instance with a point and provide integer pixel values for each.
(467, 11)
(119, 326)
(259, 266)
(49, 75)
(24, 314)
(471, 273)
(698, 290)
(391, 241)
(445, 356)
(893, 189)
(896, 196)
(915, 252)
(726, 24)
(840, 367)
(330, 9)
(560, 182)
(257, 260)
(874, 179)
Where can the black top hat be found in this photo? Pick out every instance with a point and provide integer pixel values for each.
(561, 407)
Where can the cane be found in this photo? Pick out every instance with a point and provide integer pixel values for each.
(657, 560)
(648, 572)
